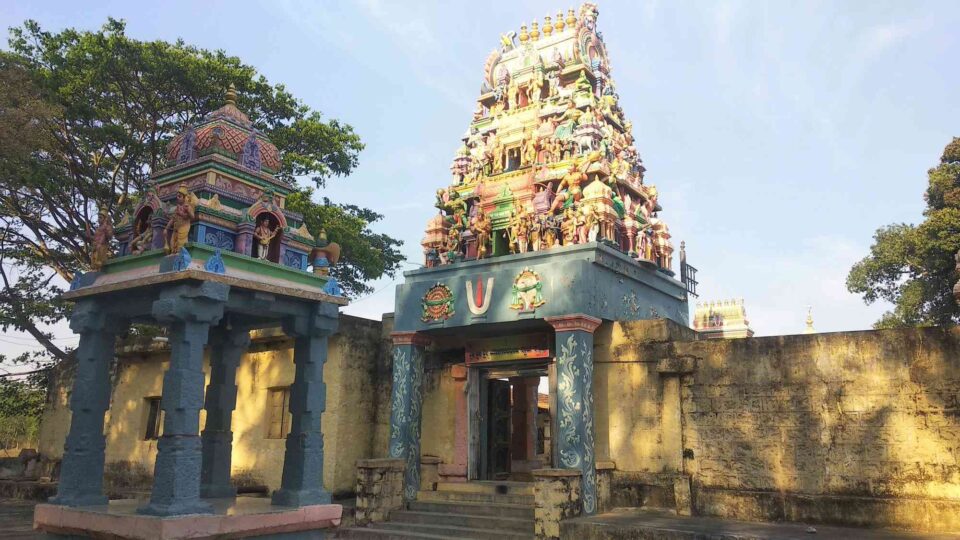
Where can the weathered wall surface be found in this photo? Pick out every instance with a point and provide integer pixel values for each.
(856, 427)
(438, 429)
(352, 373)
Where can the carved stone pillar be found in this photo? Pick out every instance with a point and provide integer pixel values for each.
(575, 431)
(226, 348)
(81, 473)
(302, 482)
(158, 222)
(189, 311)
(244, 243)
(407, 406)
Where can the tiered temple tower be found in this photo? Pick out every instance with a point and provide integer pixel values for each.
(723, 319)
(546, 232)
(549, 159)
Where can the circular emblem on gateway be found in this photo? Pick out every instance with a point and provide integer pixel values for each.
(437, 304)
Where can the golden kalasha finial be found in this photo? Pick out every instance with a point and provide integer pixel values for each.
(571, 18)
(534, 31)
(232, 95)
(524, 36)
(547, 26)
(559, 26)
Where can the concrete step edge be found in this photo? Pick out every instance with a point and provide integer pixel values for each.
(468, 507)
(361, 531)
(502, 519)
(461, 532)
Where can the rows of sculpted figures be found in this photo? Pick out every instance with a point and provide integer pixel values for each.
(549, 158)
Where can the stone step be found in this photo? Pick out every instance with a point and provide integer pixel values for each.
(450, 531)
(489, 523)
(474, 509)
(457, 496)
(361, 533)
(490, 487)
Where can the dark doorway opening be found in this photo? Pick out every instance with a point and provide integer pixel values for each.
(515, 422)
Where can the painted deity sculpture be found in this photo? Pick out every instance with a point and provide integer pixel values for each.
(482, 230)
(568, 121)
(178, 228)
(264, 233)
(142, 239)
(101, 240)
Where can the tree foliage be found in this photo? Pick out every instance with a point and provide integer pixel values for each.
(913, 266)
(84, 119)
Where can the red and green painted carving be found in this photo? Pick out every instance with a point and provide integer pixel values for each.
(437, 304)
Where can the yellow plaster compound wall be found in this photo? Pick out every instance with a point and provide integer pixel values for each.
(855, 427)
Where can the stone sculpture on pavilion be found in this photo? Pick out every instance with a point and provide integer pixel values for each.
(210, 253)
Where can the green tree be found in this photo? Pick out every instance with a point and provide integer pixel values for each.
(21, 406)
(84, 119)
(913, 266)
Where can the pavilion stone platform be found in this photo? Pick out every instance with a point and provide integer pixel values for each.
(204, 298)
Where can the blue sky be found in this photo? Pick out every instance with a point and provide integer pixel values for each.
(780, 135)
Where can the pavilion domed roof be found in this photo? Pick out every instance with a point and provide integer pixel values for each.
(228, 132)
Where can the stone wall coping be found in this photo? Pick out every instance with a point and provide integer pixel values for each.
(430, 460)
(556, 473)
(395, 464)
(606, 465)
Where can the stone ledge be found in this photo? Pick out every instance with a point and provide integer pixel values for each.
(555, 473)
(242, 518)
(931, 515)
(393, 464)
(676, 366)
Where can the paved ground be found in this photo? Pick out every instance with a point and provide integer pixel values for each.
(635, 523)
(16, 523)
(16, 520)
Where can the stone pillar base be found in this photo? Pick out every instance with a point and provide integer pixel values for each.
(379, 488)
(242, 518)
(429, 472)
(604, 481)
(556, 495)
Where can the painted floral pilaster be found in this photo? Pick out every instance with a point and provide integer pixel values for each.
(226, 348)
(189, 311)
(302, 482)
(407, 406)
(575, 430)
(81, 476)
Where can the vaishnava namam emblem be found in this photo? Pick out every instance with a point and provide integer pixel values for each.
(437, 304)
(527, 291)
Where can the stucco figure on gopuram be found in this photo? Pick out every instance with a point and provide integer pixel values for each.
(549, 150)
(209, 253)
(547, 231)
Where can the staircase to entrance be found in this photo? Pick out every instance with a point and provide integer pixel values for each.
(478, 510)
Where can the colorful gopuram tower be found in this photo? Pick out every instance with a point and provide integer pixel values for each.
(547, 232)
(549, 158)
